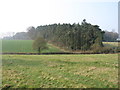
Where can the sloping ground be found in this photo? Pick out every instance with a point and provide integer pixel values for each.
(60, 71)
(23, 46)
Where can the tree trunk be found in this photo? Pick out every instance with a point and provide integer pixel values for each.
(39, 50)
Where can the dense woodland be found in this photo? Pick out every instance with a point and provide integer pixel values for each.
(107, 37)
(82, 36)
(73, 37)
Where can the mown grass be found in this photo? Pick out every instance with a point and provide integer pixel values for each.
(16, 46)
(60, 71)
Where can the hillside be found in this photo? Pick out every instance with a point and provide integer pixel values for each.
(24, 46)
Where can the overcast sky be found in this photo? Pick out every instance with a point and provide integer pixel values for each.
(17, 15)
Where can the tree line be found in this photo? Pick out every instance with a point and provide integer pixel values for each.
(18, 36)
(71, 36)
(108, 36)
(84, 36)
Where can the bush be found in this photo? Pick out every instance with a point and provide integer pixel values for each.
(105, 50)
(118, 49)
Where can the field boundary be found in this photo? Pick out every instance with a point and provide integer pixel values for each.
(53, 53)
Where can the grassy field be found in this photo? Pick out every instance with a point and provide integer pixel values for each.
(23, 46)
(110, 44)
(26, 46)
(60, 71)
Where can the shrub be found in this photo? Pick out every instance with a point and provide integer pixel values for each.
(104, 50)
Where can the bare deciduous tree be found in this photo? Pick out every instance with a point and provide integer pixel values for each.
(39, 44)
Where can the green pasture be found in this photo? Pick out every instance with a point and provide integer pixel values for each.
(110, 44)
(60, 71)
(25, 46)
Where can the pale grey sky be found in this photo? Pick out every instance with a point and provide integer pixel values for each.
(17, 15)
